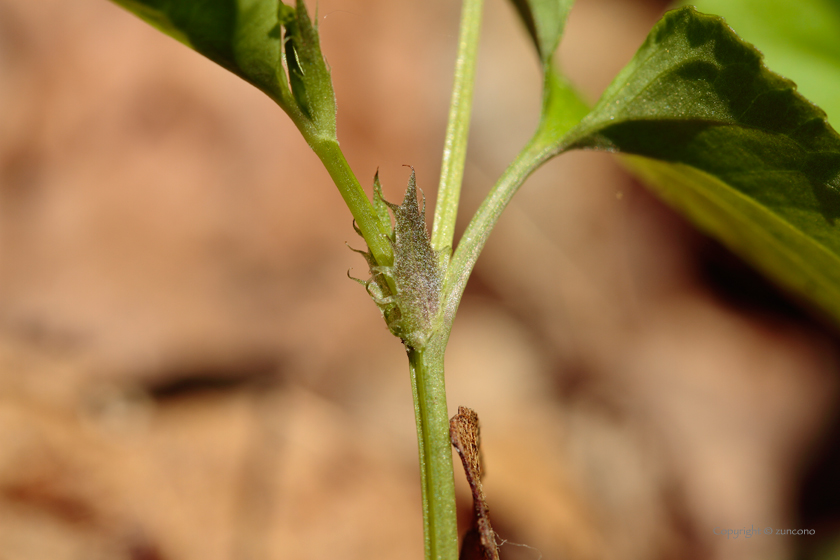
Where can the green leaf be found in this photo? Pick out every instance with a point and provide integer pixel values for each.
(748, 158)
(247, 37)
(562, 107)
(309, 75)
(545, 20)
(800, 40)
(242, 36)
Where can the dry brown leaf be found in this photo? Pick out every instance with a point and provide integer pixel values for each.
(480, 539)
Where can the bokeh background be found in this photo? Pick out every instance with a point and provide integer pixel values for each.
(186, 373)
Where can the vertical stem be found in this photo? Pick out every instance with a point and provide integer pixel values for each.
(455, 144)
(421, 445)
(438, 482)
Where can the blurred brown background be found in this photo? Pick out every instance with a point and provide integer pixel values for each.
(186, 373)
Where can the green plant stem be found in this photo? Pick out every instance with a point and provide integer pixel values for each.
(475, 236)
(440, 523)
(437, 479)
(455, 143)
(354, 196)
(562, 110)
(427, 374)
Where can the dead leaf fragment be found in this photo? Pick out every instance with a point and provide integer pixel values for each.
(480, 540)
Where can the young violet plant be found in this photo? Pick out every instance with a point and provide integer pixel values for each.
(720, 136)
